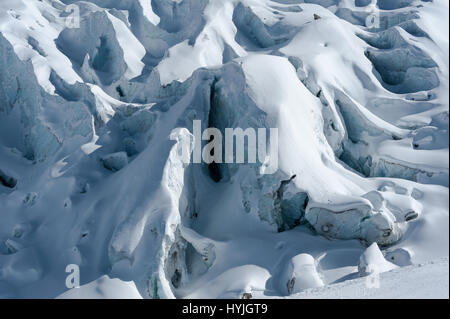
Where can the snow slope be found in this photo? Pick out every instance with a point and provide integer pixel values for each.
(422, 281)
(93, 115)
(103, 288)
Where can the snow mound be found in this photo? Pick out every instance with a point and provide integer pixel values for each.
(103, 288)
(373, 261)
(302, 274)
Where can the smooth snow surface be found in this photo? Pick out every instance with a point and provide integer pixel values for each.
(423, 281)
(103, 288)
(93, 116)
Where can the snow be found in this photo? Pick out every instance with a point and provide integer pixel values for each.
(133, 50)
(423, 281)
(372, 261)
(93, 120)
(115, 161)
(183, 59)
(148, 12)
(32, 22)
(103, 288)
(302, 274)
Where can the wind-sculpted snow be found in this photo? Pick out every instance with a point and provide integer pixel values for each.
(97, 107)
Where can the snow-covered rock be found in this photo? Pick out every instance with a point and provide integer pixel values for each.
(372, 261)
(115, 161)
(301, 274)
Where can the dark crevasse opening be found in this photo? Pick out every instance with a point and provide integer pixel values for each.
(290, 206)
(6, 180)
(213, 168)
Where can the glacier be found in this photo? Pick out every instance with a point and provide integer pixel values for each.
(98, 97)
